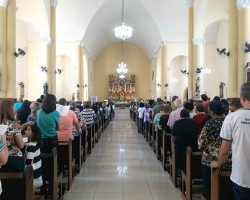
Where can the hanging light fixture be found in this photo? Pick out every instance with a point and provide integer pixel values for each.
(122, 66)
(123, 32)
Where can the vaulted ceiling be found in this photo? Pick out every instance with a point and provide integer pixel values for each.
(93, 22)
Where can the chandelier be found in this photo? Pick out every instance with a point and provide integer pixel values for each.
(123, 32)
(122, 66)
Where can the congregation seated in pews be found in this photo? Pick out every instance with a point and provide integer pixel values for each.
(195, 131)
(47, 149)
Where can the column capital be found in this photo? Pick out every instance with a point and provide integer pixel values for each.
(243, 4)
(45, 40)
(4, 3)
(198, 41)
(53, 3)
(190, 3)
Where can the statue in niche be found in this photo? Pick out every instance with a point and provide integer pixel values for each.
(77, 95)
(122, 96)
(21, 84)
(197, 88)
(222, 84)
(73, 96)
(45, 88)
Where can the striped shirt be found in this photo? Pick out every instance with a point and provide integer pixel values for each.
(33, 157)
(88, 115)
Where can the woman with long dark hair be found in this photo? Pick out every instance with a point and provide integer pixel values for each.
(47, 120)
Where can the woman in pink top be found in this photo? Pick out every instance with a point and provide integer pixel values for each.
(66, 123)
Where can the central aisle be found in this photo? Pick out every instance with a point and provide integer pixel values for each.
(122, 166)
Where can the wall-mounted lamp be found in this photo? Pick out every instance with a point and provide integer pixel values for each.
(77, 85)
(198, 70)
(159, 85)
(247, 49)
(44, 69)
(185, 72)
(223, 52)
(247, 65)
(20, 52)
(166, 85)
(59, 71)
(85, 86)
(222, 84)
(21, 84)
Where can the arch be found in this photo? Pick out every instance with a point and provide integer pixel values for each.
(208, 12)
(178, 81)
(35, 12)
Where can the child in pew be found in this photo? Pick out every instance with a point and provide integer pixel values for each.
(33, 154)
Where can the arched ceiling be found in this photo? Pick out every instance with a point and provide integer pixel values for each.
(93, 22)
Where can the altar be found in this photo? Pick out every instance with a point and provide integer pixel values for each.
(121, 90)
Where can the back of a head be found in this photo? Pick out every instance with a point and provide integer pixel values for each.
(174, 98)
(216, 98)
(200, 107)
(72, 105)
(245, 90)
(6, 110)
(189, 105)
(141, 105)
(20, 99)
(39, 100)
(236, 103)
(87, 104)
(225, 102)
(178, 103)
(217, 107)
(204, 97)
(166, 108)
(49, 103)
(62, 101)
(42, 97)
(159, 100)
(35, 106)
(147, 105)
(184, 113)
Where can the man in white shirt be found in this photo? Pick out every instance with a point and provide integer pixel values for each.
(235, 132)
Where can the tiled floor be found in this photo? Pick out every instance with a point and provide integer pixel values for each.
(122, 167)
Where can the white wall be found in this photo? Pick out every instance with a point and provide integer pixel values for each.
(218, 64)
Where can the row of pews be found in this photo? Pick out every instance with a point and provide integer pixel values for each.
(69, 154)
(190, 180)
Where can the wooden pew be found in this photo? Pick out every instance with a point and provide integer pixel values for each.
(90, 138)
(151, 140)
(193, 171)
(165, 149)
(65, 157)
(49, 161)
(26, 181)
(84, 144)
(157, 146)
(77, 145)
(173, 167)
(221, 186)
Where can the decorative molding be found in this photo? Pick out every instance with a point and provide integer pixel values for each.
(46, 40)
(190, 3)
(54, 3)
(4, 3)
(198, 41)
(243, 4)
